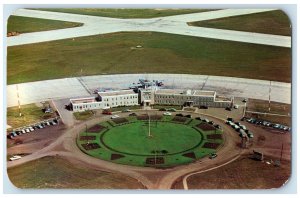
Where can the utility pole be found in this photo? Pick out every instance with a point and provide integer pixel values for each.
(19, 104)
(149, 131)
(86, 136)
(245, 107)
(281, 152)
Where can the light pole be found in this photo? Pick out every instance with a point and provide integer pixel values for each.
(19, 104)
(149, 131)
(270, 97)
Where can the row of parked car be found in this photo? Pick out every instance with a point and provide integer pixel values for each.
(170, 109)
(243, 131)
(181, 115)
(267, 124)
(28, 129)
(209, 122)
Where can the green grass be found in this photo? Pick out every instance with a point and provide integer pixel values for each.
(57, 172)
(120, 138)
(83, 115)
(272, 22)
(125, 107)
(30, 114)
(131, 140)
(167, 107)
(28, 24)
(161, 53)
(126, 13)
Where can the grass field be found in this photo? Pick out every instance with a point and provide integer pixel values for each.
(161, 53)
(124, 108)
(83, 115)
(30, 114)
(28, 24)
(243, 173)
(167, 107)
(126, 13)
(168, 140)
(276, 108)
(272, 22)
(57, 172)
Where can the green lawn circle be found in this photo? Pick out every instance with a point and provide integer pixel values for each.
(128, 143)
(134, 138)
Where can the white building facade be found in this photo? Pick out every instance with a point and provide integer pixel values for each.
(83, 104)
(151, 96)
(118, 98)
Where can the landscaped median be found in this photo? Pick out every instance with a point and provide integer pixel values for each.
(165, 141)
(84, 115)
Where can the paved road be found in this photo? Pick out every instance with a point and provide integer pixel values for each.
(71, 88)
(94, 25)
(152, 178)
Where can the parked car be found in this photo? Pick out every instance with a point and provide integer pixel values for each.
(126, 110)
(15, 157)
(47, 110)
(236, 106)
(40, 126)
(243, 127)
(107, 112)
(228, 109)
(212, 155)
(236, 127)
(286, 128)
(31, 128)
(52, 123)
(211, 122)
(230, 119)
(172, 109)
(245, 100)
(243, 119)
(167, 113)
(18, 132)
(132, 114)
(162, 109)
(250, 134)
(205, 120)
(114, 116)
(27, 130)
(217, 126)
(203, 107)
(14, 134)
(237, 123)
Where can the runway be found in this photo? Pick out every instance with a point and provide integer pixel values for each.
(72, 87)
(94, 25)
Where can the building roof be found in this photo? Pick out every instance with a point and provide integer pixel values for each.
(186, 92)
(222, 99)
(116, 93)
(83, 100)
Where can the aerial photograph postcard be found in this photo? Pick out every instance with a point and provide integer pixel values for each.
(140, 98)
